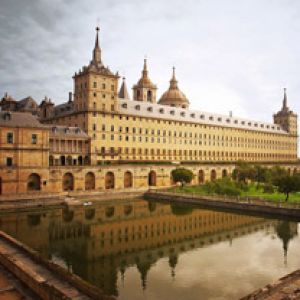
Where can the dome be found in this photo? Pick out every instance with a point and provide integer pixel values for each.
(174, 96)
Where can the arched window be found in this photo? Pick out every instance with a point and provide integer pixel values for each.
(201, 177)
(224, 173)
(213, 175)
(109, 180)
(62, 161)
(68, 182)
(51, 160)
(33, 182)
(89, 181)
(152, 178)
(149, 96)
(128, 179)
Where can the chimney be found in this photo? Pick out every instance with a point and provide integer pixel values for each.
(70, 96)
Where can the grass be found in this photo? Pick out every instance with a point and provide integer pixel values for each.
(252, 192)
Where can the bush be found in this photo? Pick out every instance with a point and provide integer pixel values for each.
(223, 186)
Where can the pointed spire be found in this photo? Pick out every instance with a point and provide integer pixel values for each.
(145, 70)
(284, 104)
(123, 93)
(173, 81)
(97, 50)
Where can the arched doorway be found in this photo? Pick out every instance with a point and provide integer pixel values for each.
(68, 182)
(152, 179)
(69, 160)
(201, 177)
(127, 179)
(109, 180)
(33, 182)
(224, 173)
(90, 181)
(213, 175)
(62, 161)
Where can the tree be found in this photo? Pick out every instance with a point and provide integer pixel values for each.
(261, 174)
(243, 172)
(182, 175)
(287, 184)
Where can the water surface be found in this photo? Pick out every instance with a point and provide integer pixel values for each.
(139, 250)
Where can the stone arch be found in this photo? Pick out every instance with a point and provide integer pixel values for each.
(152, 178)
(224, 173)
(90, 213)
(62, 160)
(90, 181)
(201, 177)
(86, 160)
(109, 180)
(213, 175)
(69, 160)
(109, 211)
(51, 160)
(33, 182)
(67, 215)
(33, 219)
(68, 182)
(128, 180)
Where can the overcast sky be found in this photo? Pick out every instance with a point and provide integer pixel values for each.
(229, 54)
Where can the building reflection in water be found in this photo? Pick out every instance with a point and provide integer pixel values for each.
(98, 242)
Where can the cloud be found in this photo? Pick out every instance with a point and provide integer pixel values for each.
(228, 55)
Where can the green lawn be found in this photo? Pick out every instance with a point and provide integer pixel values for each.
(252, 192)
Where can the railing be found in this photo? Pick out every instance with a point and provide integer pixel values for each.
(226, 198)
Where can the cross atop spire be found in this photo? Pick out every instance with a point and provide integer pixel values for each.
(97, 50)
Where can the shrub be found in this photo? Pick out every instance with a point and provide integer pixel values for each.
(268, 188)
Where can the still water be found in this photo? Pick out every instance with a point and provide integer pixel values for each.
(139, 250)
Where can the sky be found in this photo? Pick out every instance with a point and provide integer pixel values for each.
(229, 55)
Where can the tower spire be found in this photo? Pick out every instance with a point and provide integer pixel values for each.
(145, 69)
(97, 50)
(173, 81)
(123, 93)
(284, 104)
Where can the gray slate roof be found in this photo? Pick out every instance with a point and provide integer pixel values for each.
(19, 119)
(60, 131)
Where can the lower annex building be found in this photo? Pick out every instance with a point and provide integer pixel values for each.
(101, 139)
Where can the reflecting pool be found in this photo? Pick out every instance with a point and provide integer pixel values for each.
(135, 249)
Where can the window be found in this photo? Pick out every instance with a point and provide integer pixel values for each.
(10, 137)
(33, 139)
(9, 161)
(95, 84)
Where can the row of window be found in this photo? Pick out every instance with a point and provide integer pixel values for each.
(210, 118)
(180, 134)
(95, 85)
(196, 153)
(10, 138)
(179, 141)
